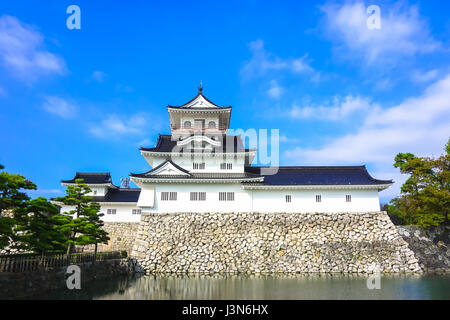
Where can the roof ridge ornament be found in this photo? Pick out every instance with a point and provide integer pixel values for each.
(200, 88)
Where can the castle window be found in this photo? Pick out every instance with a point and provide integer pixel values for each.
(198, 196)
(288, 198)
(211, 125)
(168, 196)
(226, 166)
(136, 211)
(187, 124)
(198, 166)
(222, 196)
(230, 196)
(318, 198)
(348, 198)
(111, 211)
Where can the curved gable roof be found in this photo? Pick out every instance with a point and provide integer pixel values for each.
(91, 178)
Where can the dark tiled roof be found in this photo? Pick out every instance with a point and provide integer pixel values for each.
(119, 195)
(230, 143)
(314, 175)
(199, 94)
(91, 177)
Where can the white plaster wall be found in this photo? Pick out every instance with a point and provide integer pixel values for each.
(242, 199)
(262, 200)
(97, 191)
(123, 212)
(305, 201)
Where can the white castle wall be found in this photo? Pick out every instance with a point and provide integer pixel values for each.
(262, 200)
(123, 212)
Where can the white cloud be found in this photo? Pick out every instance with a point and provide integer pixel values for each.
(275, 89)
(45, 191)
(340, 109)
(22, 51)
(144, 142)
(115, 125)
(403, 32)
(59, 107)
(286, 139)
(425, 76)
(419, 125)
(99, 76)
(263, 62)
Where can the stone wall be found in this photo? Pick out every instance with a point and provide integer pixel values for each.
(122, 236)
(271, 242)
(430, 246)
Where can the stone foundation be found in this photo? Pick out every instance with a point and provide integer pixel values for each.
(271, 243)
(429, 246)
(122, 236)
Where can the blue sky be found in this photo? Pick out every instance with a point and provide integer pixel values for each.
(340, 94)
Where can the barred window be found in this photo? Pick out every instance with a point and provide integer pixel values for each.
(111, 211)
(230, 196)
(198, 196)
(226, 166)
(348, 198)
(136, 211)
(198, 166)
(318, 198)
(172, 196)
(222, 196)
(288, 198)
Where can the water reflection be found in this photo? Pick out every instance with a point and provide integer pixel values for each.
(283, 287)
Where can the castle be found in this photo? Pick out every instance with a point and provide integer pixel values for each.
(200, 168)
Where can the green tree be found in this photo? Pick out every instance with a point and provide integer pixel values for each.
(36, 229)
(11, 197)
(95, 232)
(425, 195)
(82, 223)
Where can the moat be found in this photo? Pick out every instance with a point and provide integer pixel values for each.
(270, 287)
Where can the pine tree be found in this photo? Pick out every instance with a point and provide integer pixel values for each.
(425, 195)
(36, 229)
(82, 223)
(11, 197)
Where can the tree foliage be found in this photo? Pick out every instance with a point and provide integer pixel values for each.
(11, 197)
(36, 227)
(82, 223)
(425, 195)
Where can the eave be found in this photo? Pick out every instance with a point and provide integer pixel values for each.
(110, 185)
(378, 187)
(139, 180)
